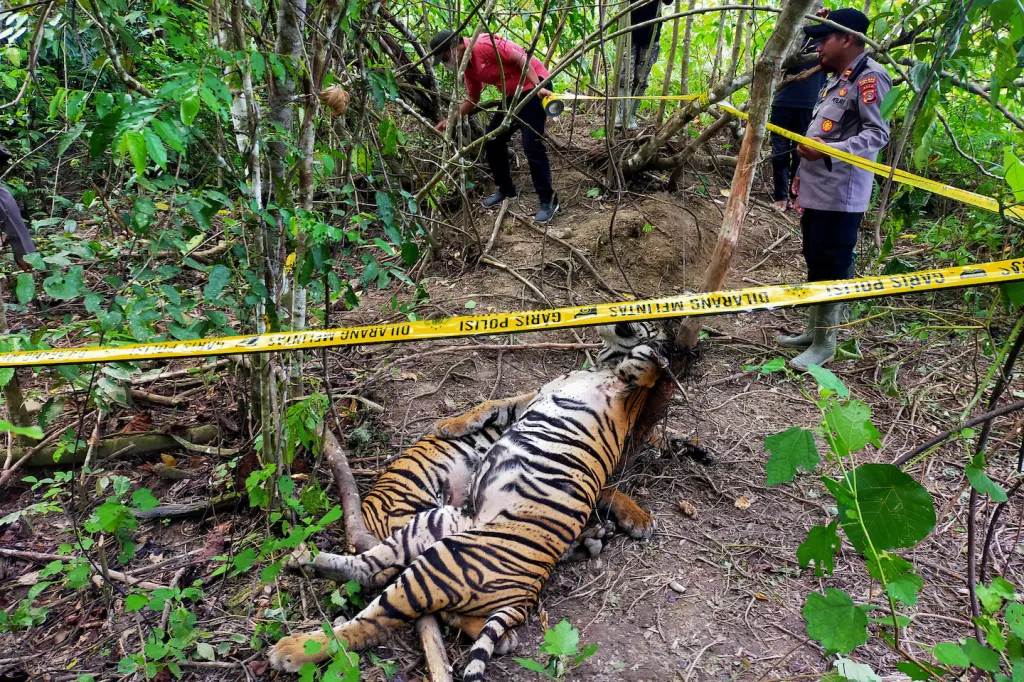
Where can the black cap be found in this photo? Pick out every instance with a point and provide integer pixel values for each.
(441, 43)
(851, 18)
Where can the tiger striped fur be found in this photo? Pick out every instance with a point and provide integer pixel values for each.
(530, 497)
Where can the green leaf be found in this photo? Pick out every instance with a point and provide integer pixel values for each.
(25, 288)
(68, 138)
(136, 144)
(896, 510)
(205, 651)
(168, 132)
(562, 640)
(143, 499)
(588, 651)
(891, 100)
(155, 650)
(410, 253)
(330, 517)
(772, 366)
(218, 279)
(270, 572)
(127, 666)
(530, 664)
(1013, 291)
(311, 647)
(827, 381)
(919, 671)
(244, 560)
(981, 482)
(856, 672)
(1015, 619)
(849, 428)
(981, 656)
(992, 596)
(821, 546)
(189, 108)
(67, 286)
(8, 427)
(1014, 170)
(135, 602)
(385, 208)
(789, 450)
(835, 621)
(903, 584)
(155, 148)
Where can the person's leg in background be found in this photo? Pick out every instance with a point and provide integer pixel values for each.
(499, 162)
(533, 119)
(800, 120)
(626, 76)
(782, 152)
(645, 62)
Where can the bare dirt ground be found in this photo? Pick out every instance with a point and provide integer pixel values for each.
(732, 611)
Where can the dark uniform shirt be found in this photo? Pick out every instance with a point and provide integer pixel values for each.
(801, 94)
(847, 117)
(645, 35)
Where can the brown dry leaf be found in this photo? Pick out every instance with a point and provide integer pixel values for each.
(168, 460)
(258, 667)
(742, 503)
(758, 595)
(725, 191)
(140, 423)
(336, 98)
(214, 546)
(407, 376)
(688, 509)
(544, 620)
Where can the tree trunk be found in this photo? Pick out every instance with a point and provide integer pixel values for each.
(667, 84)
(766, 74)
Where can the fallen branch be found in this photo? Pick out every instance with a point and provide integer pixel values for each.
(9, 472)
(176, 511)
(497, 228)
(189, 372)
(136, 445)
(97, 580)
(38, 557)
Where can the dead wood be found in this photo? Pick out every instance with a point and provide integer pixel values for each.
(135, 445)
(177, 511)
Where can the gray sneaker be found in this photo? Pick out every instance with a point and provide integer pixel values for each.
(496, 198)
(547, 211)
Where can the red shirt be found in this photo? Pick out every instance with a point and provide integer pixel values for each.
(489, 59)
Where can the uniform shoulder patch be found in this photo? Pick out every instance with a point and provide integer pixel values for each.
(827, 125)
(843, 91)
(868, 89)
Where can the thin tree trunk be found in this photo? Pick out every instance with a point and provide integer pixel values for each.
(719, 42)
(766, 74)
(558, 34)
(737, 47)
(684, 63)
(667, 84)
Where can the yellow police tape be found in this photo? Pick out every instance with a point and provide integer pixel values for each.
(554, 107)
(688, 305)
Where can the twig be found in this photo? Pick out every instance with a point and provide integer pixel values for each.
(165, 616)
(190, 371)
(992, 524)
(8, 473)
(173, 511)
(337, 460)
(122, 578)
(696, 658)
(94, 439)
(510, 270)
(973, 421)
(497, 228)
(26, 555)
(110, 210)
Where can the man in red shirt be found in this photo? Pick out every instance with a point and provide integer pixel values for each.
(503, 64)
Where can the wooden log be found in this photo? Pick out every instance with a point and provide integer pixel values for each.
(130, 445)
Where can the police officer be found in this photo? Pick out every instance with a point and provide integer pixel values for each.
(791, 110)
(834, 195)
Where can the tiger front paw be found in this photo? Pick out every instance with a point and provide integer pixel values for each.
(637, 524)
(289, 654)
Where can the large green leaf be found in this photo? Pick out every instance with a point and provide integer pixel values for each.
(835, 621)
(168, 132)
(26, 288)
(981, 656)
(849, 428)
(155, 148)
(136, 145)
(1015, 619)
(1014, 171)
(827, 381)
(562, 640)
(219, 277)
(65, 287)
(902, 584)
(821, 546)
(891, 100)
(189, 108)
(790, 449)
(896, 510)
(950, 653)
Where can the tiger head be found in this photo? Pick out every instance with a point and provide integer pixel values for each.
(623, 337)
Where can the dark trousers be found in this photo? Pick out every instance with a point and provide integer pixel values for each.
(530, 119)
(784, 157)
(15, 233)
(829, 240)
